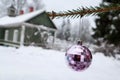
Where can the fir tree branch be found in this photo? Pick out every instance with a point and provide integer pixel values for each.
(84, 11)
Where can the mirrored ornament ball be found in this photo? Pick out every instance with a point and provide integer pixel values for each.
(78, 57)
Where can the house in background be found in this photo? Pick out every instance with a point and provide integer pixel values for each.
(32, 28)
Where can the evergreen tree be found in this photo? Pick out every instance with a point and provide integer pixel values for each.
(64, 30)
(67, 33)
(108, 26)
(60, 33)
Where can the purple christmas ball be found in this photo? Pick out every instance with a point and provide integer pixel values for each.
(78, 57)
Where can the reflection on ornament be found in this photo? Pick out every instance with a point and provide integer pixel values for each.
(78, 57)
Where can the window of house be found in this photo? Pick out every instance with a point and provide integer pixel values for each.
(15, 36)
(6, 35)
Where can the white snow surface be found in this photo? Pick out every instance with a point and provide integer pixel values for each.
(35, 63)
(6, 20)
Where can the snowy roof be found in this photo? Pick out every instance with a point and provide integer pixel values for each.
(7, 20)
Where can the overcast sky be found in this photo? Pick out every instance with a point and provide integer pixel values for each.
(60, 5)
(63, 5)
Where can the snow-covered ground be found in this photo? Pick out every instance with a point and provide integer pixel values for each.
(35, 63)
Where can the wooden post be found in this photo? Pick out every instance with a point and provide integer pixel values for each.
(54, 39)
(22, 36)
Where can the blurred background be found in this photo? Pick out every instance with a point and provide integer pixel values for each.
(100, 33)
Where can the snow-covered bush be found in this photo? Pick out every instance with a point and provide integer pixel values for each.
(108, 49)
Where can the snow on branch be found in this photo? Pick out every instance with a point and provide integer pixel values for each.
(80, 12)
